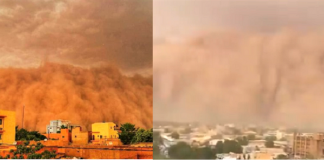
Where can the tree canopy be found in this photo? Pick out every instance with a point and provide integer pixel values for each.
(232, 146)
(22, 134)
(143, 135)
(30, 152)
(243, 141)
(175, 135)
(251, 137)
(130, 134)
(184, 151)
(269, 144)
(271, 138)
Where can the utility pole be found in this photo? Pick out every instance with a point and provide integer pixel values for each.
(23, 117)
(48, 133)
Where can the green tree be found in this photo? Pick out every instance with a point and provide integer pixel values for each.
(181, 151)
(64, 127)
(157, 138)
(128, 132)
(23, 134)
(156, 149)
(243, 141)
(271, 138)
(232, 146)
(219, 147)
(143, 135)
(31, 137)
(251, 137)
(175, 135)
(269, 144)
(204, 153)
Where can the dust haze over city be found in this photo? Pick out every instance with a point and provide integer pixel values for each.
(239, 61)
(78, 60)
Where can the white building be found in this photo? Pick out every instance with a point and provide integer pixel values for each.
(55, 126)
(278, 134)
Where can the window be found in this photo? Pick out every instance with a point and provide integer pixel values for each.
(0, 121)
(0, 136)
(62, 136)
(100, 136)
(75, 136)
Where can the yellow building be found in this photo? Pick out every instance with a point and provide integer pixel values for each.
(104, 131)
(7, 127)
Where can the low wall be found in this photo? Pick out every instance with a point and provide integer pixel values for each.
(93, 152)
(50, 143)
(90, 151)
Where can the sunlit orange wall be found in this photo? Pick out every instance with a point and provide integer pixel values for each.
(64, 136)
(79, 137)
(147, 153)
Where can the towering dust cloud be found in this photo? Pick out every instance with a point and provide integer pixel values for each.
(100, 61)
(83, 96)
(241, 77)
(239, 61)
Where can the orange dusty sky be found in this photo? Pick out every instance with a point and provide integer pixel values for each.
(79, 60)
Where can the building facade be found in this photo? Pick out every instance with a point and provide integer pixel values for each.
(7, 127)
(308, 145)
(104, 130)
(105, 134)
(80, 137)
(64, 136)
(55, 126)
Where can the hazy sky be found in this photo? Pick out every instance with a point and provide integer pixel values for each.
(186, 16)
(78, 32)
(239, 61)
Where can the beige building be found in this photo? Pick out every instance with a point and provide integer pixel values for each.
(308, 145)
